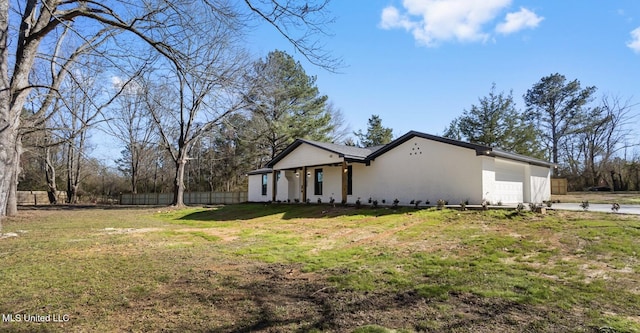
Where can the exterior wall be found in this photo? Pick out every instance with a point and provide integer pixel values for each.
(421, 169)
(540, 184)
(307, 155)
(331, 184)
(255, 188)
(288, 188)
(418, 169)
(362, 182)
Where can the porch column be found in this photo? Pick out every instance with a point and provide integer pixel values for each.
(274, 185)
(304, 185)
(344, 182)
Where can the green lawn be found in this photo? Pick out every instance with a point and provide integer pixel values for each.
(300, 268)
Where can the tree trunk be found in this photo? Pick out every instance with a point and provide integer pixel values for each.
(178, 183)
(8, 130)
(50, 175)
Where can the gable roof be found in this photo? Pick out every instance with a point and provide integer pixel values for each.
(348, 152)
(368, 154)
(480, 149)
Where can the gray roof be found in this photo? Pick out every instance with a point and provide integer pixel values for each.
(260, 171)
(357, 154)
(348, 152)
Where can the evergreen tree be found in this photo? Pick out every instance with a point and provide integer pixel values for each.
(496, 122)
(285, 104)
(376, 133)
(557, 108)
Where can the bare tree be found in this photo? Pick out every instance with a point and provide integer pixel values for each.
(132, 124)
(205, 91)
(161, 24)
(605, 134)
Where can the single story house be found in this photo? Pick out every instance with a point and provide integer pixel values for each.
(415, 166)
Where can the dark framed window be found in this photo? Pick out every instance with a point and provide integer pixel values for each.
(349, 180)
(265, 181)
(317, 184)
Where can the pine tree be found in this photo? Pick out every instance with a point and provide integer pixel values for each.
(496, 122)
(376, 133)
(285, 104)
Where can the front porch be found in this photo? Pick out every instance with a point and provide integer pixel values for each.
(318, 183)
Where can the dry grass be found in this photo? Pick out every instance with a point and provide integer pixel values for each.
(623, 198)
(301, 268)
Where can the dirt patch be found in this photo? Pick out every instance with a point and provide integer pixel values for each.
(122, 231)
(282, 298)
(12, 234)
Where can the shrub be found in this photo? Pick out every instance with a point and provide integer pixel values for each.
(375, 203)
(585, 205)
(395, 203)
(319, 200)
(463, 205)
(417, 203)
(358, 203)
(615, 207)
(440, 204)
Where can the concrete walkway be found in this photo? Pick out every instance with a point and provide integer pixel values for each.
(624, 209)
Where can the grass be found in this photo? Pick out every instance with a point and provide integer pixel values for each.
(623, 198)
(245, 268)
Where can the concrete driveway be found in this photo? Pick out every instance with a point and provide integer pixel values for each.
(624, 209)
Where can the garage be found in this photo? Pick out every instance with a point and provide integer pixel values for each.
(509, 184)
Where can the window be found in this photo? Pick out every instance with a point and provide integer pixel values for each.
(265, 180)
(317, 186)
(349, 180)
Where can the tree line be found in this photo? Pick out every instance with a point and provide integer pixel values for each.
(56, 55)
(591, 141)
(275, 103)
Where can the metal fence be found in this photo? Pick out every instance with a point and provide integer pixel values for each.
(190, 198)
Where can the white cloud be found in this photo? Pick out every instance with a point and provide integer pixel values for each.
(634, 43)
(391, 18)
(519, 20)
(435, 21)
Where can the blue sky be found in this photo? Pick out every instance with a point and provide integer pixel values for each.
(423, 62)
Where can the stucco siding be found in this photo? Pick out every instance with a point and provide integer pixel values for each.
(255, 188)
(307, 155)
(421, 169)
(488, 178)
(331, 184)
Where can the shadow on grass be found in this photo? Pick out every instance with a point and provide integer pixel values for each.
(278, 301)
(250, 211)
(71, 207)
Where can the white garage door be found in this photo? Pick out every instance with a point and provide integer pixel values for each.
(509, 183)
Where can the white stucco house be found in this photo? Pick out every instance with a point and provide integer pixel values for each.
(415, 166)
